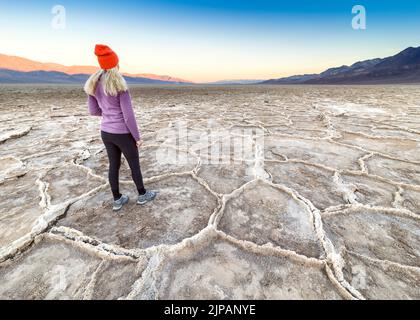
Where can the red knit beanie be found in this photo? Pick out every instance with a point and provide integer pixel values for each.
(107, 58)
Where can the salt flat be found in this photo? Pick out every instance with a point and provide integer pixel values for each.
(322, 203)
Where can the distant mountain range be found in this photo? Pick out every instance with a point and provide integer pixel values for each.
(234, 82)
(404, 67)
(20, 70)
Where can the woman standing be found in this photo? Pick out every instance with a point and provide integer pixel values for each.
(108, 97)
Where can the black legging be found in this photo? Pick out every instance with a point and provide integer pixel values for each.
(125, 143)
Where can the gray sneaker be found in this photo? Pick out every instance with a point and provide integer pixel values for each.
(118, 204)
(148, 196)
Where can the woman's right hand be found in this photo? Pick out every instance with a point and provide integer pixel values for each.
(139, 143)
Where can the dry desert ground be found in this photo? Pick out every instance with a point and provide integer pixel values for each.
(323, 204)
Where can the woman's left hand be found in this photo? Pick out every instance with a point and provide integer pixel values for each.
(139, 143)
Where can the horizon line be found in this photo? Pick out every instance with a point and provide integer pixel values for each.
(144, 74)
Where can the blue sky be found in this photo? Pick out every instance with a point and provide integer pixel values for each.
(211, 39)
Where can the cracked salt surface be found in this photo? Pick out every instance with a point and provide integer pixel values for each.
(328, 207)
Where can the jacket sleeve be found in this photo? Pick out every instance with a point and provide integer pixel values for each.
(128, 113)
(93, 105)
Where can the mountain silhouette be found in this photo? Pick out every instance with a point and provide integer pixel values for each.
(404, 67)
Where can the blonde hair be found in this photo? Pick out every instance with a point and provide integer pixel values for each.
(113, 82)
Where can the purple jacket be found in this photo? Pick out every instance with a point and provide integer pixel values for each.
(117, 112)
